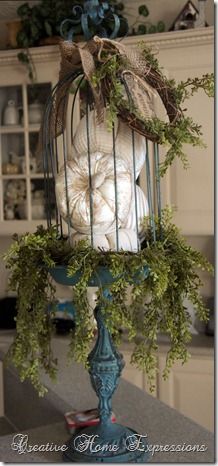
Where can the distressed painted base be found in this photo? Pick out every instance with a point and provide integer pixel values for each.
(106, 442)
(110, 443)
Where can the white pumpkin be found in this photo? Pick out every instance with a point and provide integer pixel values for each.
(103, 194)
(99, 241)
(101, 140)
(127, 240)
(124, 148)
(142, 211)
(99, 135)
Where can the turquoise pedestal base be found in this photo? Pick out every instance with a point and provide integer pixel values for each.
(106, 442)
(111, 443)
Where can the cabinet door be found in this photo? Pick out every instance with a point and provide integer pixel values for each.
(190, 389)
(130, 373)
(134, 375)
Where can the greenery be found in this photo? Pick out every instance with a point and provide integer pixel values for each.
(38, 22)
(171, 134)
(44, 20)
(26, 59)
(146, 27)
(156, 302)
(41, 20)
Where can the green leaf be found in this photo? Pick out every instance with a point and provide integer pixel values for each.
(152, 29)
(34, 31)
(23, 10)
(23, 39)
(23, 57)
(141, 29)
(143, 10)
(48, 28)
(160, 26)
(44, 11)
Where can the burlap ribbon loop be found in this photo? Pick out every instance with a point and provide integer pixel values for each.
(140, 78)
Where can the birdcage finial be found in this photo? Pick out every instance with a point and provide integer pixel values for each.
(92, 18)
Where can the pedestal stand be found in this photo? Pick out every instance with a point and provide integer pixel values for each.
(106, 442)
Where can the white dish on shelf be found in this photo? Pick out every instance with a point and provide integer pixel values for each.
(22, 210)
(38, 211)
(11, 113)
(35, 113)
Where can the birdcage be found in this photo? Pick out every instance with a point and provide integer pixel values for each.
(94, 168)
(101, 177)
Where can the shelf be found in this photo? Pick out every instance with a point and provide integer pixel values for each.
(33, 128)
(37, 176)
(12, 129)
(14, 177)
(33, 176)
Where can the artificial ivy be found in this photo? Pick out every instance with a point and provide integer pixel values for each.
(171, 134)
(156, 301)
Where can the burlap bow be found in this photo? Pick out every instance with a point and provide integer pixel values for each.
(140, 78)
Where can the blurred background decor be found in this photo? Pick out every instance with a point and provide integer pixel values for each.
(40, 24)
(10, 20)
(95, 17)
(190, 17)
(44, 23)
(146, 27)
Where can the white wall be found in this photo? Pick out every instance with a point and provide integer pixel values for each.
(164, 10)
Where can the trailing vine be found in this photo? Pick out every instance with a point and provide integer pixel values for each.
(156, 301)
(179, 130)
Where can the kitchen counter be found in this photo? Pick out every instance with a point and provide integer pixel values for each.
(133, 407)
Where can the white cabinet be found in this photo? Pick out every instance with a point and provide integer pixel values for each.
(190, 389)
(22, 205)
(135, 376)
